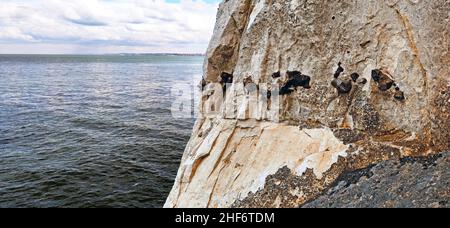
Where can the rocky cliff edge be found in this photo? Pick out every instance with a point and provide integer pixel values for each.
(298, 92)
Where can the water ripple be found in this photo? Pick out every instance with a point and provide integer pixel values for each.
(90, 131)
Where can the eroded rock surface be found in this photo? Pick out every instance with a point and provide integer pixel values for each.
(289, 149)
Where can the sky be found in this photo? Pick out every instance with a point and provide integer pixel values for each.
(106, 26)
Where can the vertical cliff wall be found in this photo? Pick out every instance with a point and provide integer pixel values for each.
(360, 82)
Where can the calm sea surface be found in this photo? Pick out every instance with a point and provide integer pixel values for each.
(90, 131)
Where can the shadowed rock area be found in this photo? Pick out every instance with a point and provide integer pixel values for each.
(405, 183)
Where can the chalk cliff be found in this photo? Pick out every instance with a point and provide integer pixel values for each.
(360, 82)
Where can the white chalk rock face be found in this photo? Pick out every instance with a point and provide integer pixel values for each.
(359, 82)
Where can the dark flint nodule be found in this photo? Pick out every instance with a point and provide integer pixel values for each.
(285, 90)
(362, 81)
(385, 84)
(292, 74)
(339, 71)
(276, 75)
(342, 86)
(226, 78)
(355, 77)
(376, 75)
(399, 95)
(296, 79)
(269, 94)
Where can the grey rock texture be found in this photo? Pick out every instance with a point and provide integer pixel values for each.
(405, 183)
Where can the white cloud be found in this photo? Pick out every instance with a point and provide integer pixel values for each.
(103, 26)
